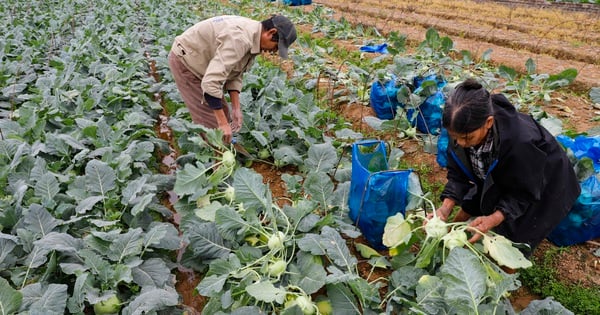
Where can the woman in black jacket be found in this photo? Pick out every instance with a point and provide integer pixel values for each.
(504, 169)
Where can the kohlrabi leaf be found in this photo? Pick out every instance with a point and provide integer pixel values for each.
(342, 299)
(205, 241)
(465, 279)
(547, 306)
(46, 187)
(308, 272)
(320, 187)
(504, 253)
(230, 224)
(10, 299)
(39, 220)
(321, 157)
(76, 302)
(99, 178)
(250, 189)
(51, 299)
(152, 300)
(212, 285)
(191, 179)
(336, 248)
(265, 291)
(430, 294)
(153, 272)
(162, 235)
(126, 245)
(396, 231)
(366, 251)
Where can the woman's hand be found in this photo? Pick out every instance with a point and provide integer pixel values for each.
(485, 223)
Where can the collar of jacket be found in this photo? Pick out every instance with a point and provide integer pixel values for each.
(459, 154)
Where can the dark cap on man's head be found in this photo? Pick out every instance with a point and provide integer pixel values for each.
(286, 32)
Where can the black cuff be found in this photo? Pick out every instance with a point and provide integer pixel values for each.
(213, 102)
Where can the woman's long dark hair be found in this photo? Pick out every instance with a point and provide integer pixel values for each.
(467, 109)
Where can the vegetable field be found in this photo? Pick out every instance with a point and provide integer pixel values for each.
(112, 202)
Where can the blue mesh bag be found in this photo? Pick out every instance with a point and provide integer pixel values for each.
(429, 115)
(376, 192)
(383, 99)
(583, 221)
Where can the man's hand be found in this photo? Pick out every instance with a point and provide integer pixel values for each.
(223, 125)
(236, 112)
(236, 120)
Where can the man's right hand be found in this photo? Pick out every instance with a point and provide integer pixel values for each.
(224, 126)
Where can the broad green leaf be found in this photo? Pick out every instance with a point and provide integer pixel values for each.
(336, 248)
(250, 189)
(430, 294)
(547, 306)
(162, 235)
(366, 251)
(288, 154)
(530, 66)
(191, 179)
(51, 299)
(61, 242)
(154, 272)
(308, 273)
(406, 278)
(322, 157)
(126, 245)
(205, 241)
(311, 243)
(87, 204)
(367, 293)
(7, 245)
(507, 73)
(211, 285)
(563, 78)
(46, 187)
(39, 220)
(501, 250)
(595, 94)
(96, 264)
(10, 299)
(397, 231)
(320, 187)
(76, 302)
(230, 224)
(141, 204)
(342, 299)
(152, 300)
(265, 291)
(465, 279)
(99, 177)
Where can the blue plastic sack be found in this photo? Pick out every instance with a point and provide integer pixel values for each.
(296, 2)
(583, 222)
(376, 193)
(383, 98)
(429, 114)
(583, 146)
(382, 49)
(442, 145)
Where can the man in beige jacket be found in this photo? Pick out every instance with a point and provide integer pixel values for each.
(213, 55)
